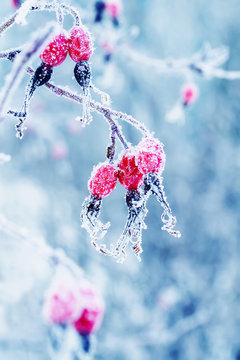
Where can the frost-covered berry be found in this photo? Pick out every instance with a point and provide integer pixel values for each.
(129, 175)
(150, 156)
(82, 73)
(80, 44)
(56, 51)
(189, 93)
(62, 304)
(92, 311)
(103, 180)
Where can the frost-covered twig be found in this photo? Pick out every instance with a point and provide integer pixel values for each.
(179, 330)
(40, 7)
(205, 63)
(19, 66)
(53, 256)
(107, 112)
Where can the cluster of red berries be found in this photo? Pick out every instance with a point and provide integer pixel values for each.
(147, 157)
(78, 44)
(71, 304)
(139, 171)
(79, 47)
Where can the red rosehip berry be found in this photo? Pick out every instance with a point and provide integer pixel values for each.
(92, 311)
(150, 156)
(103, 180)
(189, 93)
(79, 44)
(114, 8)
(129, 175)
(61, 305)
(56, 51)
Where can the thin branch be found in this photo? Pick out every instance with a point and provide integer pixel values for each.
(8, 23)
(53, 256)
(204, 63)
(68, 9)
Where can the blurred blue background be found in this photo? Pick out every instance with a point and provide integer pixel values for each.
(182, 301)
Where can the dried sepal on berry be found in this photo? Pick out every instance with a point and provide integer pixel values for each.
(80, 44)
(154, 181)
(56, 51)
(150, 156)
(82, 73)
(90, 218)
(129, 175)
(137, 211)
(41, 76)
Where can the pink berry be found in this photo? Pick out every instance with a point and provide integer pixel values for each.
(56, 51)
(59, 151)
(80, 44)
(189, 93)
(61, 304)
(150, 156)
(16, 3)
(92, 311)
(108, 47)
(129, 175)
(114, 8)
(103, 180)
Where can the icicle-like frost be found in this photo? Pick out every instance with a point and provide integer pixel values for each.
(86, 114)
(155, 183)
(137, 211)
(89, 216)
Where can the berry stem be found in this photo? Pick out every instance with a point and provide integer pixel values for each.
(115, 129)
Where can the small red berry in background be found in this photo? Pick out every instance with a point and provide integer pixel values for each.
(61, 305)
(56, 51)
(114, 8)
(150, 156)
(130, 177)
(103, 180)
(92, 311)
(108, 48)
(16, 3)
(80, 44)
(189, 93)
(59, 151)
